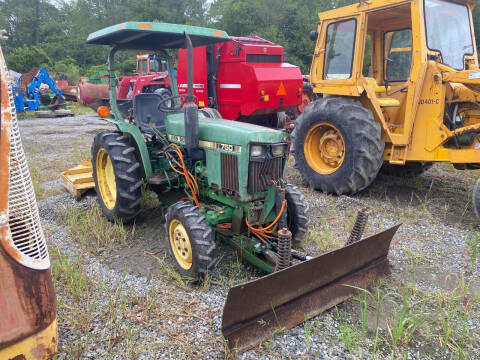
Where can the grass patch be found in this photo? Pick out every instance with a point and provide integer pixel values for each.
(89, 227)
(35, 176)
(79, 109)
(26, 115)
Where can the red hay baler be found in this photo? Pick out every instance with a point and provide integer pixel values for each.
(245, 79)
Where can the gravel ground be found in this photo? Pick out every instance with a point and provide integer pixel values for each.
(432, 254)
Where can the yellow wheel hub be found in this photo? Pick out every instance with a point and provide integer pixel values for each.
(106, 179)
(324, 148)
(180, 244)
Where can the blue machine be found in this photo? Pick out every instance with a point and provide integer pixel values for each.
(30, 100)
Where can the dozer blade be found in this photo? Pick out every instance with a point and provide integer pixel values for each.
(256, 310)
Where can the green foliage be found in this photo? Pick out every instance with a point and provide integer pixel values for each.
(52, 33)
(24, 58)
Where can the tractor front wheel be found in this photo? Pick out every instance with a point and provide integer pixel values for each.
(190, 240)
(116, 172)
(337, 145)
(297, 210)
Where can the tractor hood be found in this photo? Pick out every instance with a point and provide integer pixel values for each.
(226, 131)
(155, 36)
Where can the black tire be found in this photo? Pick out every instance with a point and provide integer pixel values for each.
(210, 113)
(410, 169)
(200, 237)
(44, 99)
(363, 145)
(128, 178)
(297, 214)
(476, 199)
(164, 94)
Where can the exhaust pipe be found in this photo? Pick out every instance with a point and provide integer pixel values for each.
(191, 110)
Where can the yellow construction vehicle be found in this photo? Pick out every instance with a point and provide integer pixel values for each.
(400, 86)
(28, 320)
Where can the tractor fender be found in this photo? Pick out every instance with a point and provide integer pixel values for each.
(139, 142)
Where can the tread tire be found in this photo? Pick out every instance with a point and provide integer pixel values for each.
(363, 143)
(128, 178)
(201, 238)
(297, 210)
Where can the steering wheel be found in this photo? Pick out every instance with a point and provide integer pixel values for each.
(174, 108)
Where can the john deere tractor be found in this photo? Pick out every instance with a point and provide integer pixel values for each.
(229, 177)
(400, 86)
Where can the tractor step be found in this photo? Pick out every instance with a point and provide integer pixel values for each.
(78, 179)
(257, 310)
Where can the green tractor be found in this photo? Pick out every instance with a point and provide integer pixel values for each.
(230, 180)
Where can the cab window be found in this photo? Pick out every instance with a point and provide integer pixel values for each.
(339, 50)
(398, 54)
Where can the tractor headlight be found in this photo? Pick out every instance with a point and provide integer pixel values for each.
(278, 150)
(257, 150)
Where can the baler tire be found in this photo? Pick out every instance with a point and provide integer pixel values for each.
(200, 238)
(361, 136)
(410, 169)
(210, 113)
(297, 214)
(127, 173)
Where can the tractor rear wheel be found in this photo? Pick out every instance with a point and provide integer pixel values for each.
(190, 240)
(117, 176)
(297, 210)
(337, 145)
(410, 169)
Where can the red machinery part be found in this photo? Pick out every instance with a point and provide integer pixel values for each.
(251, 78)
(91, 93)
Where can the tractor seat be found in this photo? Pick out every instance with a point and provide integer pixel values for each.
(146, 113)
(382, 101)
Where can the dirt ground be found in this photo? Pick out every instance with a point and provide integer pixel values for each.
(117, 289)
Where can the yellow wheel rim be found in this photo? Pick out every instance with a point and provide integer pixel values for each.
(180, 244)
(324, 148)
(106, 179)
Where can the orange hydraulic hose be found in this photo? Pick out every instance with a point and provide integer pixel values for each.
(260, 232)
(189, 178)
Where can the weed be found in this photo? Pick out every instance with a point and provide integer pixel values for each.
(180, 280)
(149, 198)
(414, 261)
(88, 227)
(474, 243)
(404, 324)
(35, 176)
(350, 337)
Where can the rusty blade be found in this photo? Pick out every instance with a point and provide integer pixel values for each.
(256, 310)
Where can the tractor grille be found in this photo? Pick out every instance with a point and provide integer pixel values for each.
(261, 173)
(229, 173)
(26, 241)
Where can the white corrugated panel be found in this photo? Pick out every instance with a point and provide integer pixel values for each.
(26, 232)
